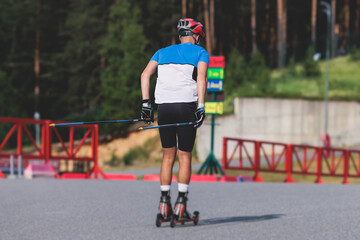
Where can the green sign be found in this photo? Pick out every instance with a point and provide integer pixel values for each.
(215, 73)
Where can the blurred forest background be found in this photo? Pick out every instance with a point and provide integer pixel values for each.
(81, 60)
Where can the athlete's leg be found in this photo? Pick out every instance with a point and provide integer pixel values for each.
(167, 165)
(184, 167)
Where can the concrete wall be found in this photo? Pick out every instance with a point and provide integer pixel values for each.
(283, 120)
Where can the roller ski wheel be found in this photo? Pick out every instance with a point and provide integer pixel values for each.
(165, 211)
(158, 220)
(196, 217)
(176, 219)
(181, 215)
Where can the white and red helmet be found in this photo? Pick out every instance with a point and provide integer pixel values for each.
(188, 27)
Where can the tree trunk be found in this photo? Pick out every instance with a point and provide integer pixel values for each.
(279, 33)
(357, 24)
(284, 32)
(333, 22)
(183, 8)
(191, 8)
(253, 25)
(294, 45)
(212, 24)
(265, 27)
(313, 24)
(37, 57)
(207, 26)
(345, 25)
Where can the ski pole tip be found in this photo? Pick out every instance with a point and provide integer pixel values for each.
(140, 128)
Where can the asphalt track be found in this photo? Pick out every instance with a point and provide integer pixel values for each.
(102, 209)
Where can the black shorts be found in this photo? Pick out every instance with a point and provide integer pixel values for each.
(177, 113)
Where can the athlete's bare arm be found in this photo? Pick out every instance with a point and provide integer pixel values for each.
(145, 78)
(202, 68)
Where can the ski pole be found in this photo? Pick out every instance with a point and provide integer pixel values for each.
(168, 125)
(94, 122)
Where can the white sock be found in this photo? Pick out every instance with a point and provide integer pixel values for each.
(183, 187)
(165, 188)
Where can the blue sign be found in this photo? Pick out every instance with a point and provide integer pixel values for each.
(215, 85)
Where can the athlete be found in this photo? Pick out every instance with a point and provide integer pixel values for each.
(179, 93)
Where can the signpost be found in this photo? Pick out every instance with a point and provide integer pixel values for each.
(215, 87)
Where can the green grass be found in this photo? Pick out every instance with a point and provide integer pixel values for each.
(344, 81)
(344, 84)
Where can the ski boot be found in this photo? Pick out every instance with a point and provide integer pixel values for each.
(181, 215)
(165, 210)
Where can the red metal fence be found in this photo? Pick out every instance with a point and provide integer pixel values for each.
(262, 156)
(43, 152)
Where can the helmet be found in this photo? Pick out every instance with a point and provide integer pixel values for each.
(188, 27)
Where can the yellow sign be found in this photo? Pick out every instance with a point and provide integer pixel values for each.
(214, 108)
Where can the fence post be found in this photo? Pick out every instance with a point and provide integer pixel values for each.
(346, 166)
(224, 156)
(319, 166)
(19, 166)
(47, 142)
(288, 164)
(19, 139)
(257, 177)
(12, 176)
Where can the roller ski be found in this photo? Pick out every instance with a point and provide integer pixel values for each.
(165, 211)
(181, 215)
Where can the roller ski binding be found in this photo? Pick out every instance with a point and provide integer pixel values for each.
(165, 211)
(181, 215)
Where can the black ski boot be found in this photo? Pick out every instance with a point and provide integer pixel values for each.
(165, 210)
(181, 215)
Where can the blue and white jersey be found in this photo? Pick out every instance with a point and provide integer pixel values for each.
(177, 72)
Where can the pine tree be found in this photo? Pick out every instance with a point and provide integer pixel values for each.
(125, 53)
(311, 67)
(85, 29)
(259, 72)
(235, 72)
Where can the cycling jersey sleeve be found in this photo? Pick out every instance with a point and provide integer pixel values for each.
(155, 57)
(204, 57)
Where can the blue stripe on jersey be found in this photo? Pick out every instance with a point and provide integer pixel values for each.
(185, 53)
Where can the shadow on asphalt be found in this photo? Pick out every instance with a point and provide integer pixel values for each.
(212, 221)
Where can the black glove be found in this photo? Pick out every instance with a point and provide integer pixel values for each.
(147, 113)
(200, 116)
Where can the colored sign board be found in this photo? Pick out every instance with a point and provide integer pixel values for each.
(215, 73)
(217, 62)
(214, 107)
(215, 85)
(219, 96)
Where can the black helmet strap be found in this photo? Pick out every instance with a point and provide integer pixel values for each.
(189, 33)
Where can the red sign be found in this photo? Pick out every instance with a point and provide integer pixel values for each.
(217, 62)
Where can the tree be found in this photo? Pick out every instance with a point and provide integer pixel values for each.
(85, 29)
(258, 72)
(183, 8)
(207, 27)
(344, 26)
(281, 32)
(333, 21)
(311, 67)
(313, 23)
(124, 50)
(253, 24)
(356, 38)
(212, 24)
(235, 74)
